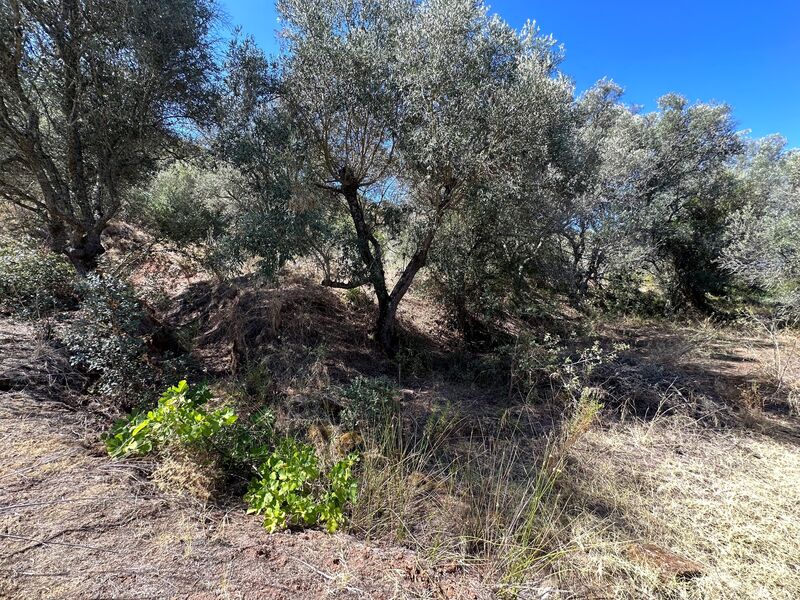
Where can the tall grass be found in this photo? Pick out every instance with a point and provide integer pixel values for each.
(490, 502)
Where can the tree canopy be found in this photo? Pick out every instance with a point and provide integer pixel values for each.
(388, 137)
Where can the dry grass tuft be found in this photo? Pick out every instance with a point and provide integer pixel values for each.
(184, 471)
(491, 502)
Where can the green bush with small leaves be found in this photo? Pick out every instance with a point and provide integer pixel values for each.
(567, 365)
(104, 340)
(370, 402)
(291, 490)
(33, 280)
(185, 204)
(179, 419)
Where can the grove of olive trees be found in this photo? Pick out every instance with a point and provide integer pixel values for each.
(388, 139)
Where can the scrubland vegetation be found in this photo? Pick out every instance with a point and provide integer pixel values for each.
(394, 314)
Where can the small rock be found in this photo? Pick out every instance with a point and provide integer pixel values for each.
(668, 564)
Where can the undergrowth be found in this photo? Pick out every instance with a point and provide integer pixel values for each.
(180, 419)
(482, 502)
(34, 282)
(288, 487)
(106, 340)
(291, 489)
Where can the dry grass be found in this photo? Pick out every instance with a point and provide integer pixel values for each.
(776, 352)
(724, 497)
(183, 471)
(728, 500)
(490, 502)
(696, 454)
(74, 524)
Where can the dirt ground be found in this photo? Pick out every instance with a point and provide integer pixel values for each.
(697, 459)
(74, 524)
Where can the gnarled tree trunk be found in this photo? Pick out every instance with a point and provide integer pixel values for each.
(372, 256)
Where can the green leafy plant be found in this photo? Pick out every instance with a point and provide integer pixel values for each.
(179, 419)
(342, 489)
(246, 444)
(291, 490)
(104, 340)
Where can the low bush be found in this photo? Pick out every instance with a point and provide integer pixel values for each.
(127, 355)
(104, 340)
(291, 489)
(565, 365)
(184, 204)
(371, 402)
(33, 280)
(180, 419)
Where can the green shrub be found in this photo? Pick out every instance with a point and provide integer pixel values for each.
(567, 368)
(246, 444)
(370, 402)
(185, 204)
(290, 487)
(411, 362)
(33, 280)
(291, 490)
(179, 419)
(104, 340)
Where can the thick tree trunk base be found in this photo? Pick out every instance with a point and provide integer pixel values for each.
(85, 254)
(386, 334)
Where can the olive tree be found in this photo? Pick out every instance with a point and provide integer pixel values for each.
(612, 198)
(254, 137)
(595, 237)
(656, 193)
(416, 107)
(763, 236)
(688, 191)
(90, 94)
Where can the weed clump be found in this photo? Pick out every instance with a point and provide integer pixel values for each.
(370, 402)
(196, 444)
(180, 419)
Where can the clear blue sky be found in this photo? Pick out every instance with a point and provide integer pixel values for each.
(743, 52)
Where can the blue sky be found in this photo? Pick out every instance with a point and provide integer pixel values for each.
(745, 53)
